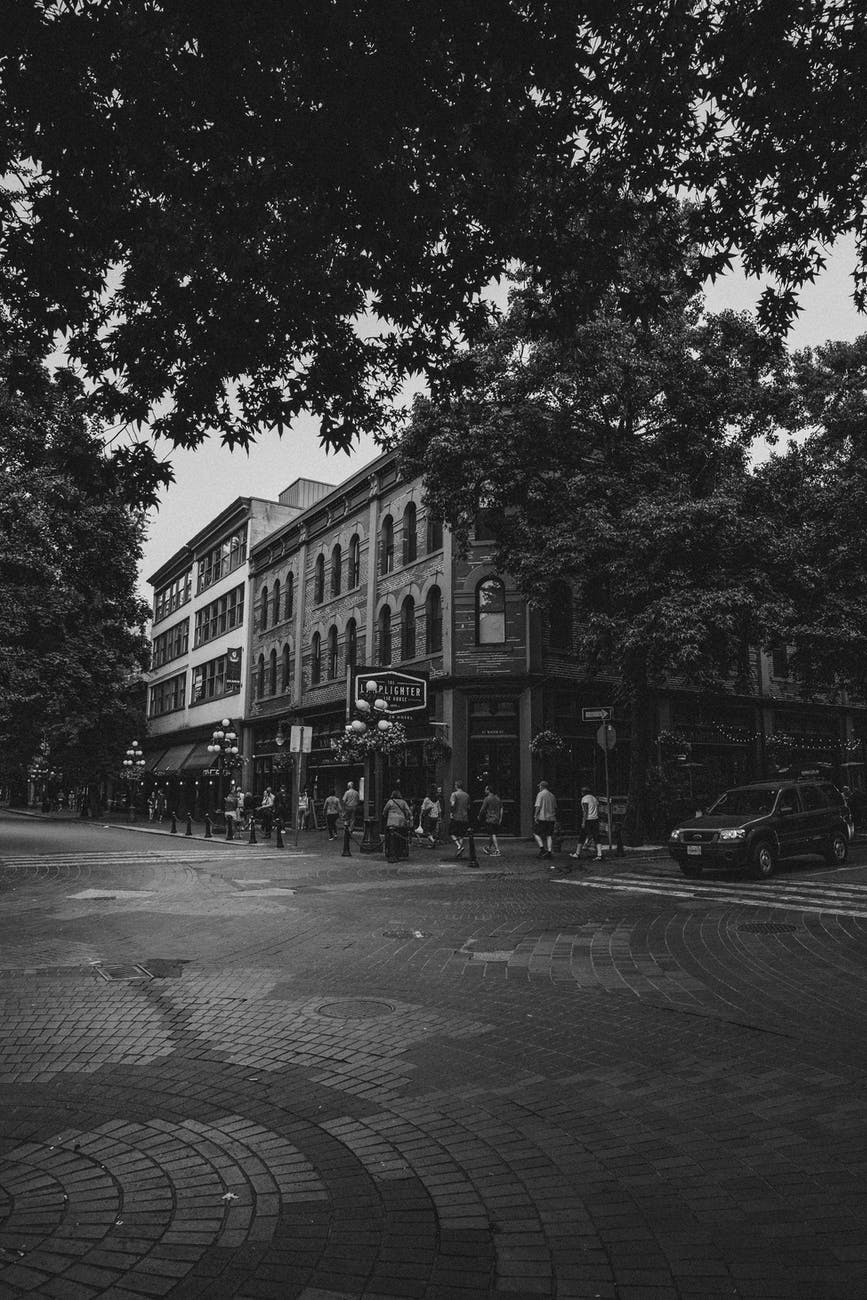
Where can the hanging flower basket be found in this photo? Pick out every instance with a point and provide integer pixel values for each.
(547, 743)
(437, 750)
(355, 747)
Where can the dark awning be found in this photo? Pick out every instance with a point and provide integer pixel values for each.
(154, 760)
(198, 759)
(173, 759)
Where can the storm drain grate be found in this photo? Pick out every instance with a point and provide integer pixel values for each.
(120, 973)
(767, 927)
(355, 1009)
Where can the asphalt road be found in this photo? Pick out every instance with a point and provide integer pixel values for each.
(233, 1070)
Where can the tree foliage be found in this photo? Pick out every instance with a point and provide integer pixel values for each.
(72, 641)
(207, 198)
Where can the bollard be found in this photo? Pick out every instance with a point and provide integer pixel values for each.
(472, 860)
(174, 826)
(279, 828)
(347, 840)
(252, 831)
(230, 828)
(189, 829)
(619, 850)
(208, 832)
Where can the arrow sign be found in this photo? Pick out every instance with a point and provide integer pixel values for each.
(599, 713)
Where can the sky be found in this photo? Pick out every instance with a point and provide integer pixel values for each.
(207, 480)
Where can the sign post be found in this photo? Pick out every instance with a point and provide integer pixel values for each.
(606, 739)
(300, 742)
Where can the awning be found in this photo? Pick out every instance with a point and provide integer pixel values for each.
(198, 759)
(154, 760)
(173, 759)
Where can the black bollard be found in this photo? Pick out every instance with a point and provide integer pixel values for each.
(208, 832)
(230, 828)
(347, 840)
(252, 831)
(619, 850)
(189, 829)
(173, 830)
(279, 828)
(472, 860)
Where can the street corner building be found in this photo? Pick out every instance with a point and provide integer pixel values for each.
(270, 616)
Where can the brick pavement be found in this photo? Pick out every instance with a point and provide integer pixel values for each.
(418, 1080)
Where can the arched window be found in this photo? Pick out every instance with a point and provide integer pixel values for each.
(385, 635)
(434, 621)
(319, 580)
(276, 601)
(490, 612)
(316, 659)
(263, 608)
(272, 673)
(410, 542)
(351, 643)
(353, 578)
(287, 667)
(336, 575)
(434, 534)
(407, 629)
(332, 653)
(260, 677)
(386, 545)
(290, 595)
(560, 616)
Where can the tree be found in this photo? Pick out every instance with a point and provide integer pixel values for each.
(208, 199)
(72, 643)
(617, 457)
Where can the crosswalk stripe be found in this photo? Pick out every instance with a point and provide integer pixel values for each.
(799, 900)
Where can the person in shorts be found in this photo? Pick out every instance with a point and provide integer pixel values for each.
(331, 808)
(490, 816)
(351, 799)
(544, 817)
(589, 824)
(459, 823)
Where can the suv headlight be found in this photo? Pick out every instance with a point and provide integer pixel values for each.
(736, 833)
(676, 835)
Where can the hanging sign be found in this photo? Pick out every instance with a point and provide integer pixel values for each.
(402, 692)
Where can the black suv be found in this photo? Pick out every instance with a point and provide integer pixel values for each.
(754, 826)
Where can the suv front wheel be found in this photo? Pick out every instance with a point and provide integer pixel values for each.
(838, 849)
(763, 860)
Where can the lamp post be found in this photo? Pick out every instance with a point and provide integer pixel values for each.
(224, 750)
(372, 709)
(133, 771)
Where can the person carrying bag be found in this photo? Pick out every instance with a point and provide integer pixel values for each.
(397, 815)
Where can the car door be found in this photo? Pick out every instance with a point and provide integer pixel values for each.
(817, 816)
(789, 819)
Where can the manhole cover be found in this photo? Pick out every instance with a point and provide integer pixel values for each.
(123, 972)
(767, 927)
(356, 1009)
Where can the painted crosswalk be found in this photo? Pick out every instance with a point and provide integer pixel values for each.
(178, 857)
(794, 895)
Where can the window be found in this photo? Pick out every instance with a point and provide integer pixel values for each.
(171, 644)
(332, 653)
(217, 677)
(385, 635)
(490, 612)
(434, 621)
(275, 618)
(351, 643)
(290, 594)
(780, 662)
(336, 575)
(220, 616)
(170, 598)
(223, 559)
(319, 580)
(407, 629)
(272, 673)
(410, 541)
(168, 696)
(434, 534)
(263, 609)
(316, 659)
(260, 678)
(353, 578)
(287, 667)
(560, 616)
(386, 545)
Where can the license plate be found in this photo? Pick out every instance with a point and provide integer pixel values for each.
(693, 850)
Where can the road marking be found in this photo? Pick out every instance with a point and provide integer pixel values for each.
(843, 900)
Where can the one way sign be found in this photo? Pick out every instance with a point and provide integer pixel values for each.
(599, 713)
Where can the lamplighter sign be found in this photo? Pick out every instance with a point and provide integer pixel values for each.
(402, 692)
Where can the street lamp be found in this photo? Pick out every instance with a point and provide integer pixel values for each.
(373, 712)
(224, 750)
(133, 771)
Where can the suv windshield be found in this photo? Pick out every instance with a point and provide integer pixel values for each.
(745, 802)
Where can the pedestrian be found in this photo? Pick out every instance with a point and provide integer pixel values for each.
(331, 808)
(303, 809)
(230, 807)
(544, 817)
(430, 815)
(589, 824)
(397, 816)
(267, 810)
(490, 816)
(459, 820)
(152, 805)
(350, 801)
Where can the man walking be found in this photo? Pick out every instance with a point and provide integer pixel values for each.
(490, 816)
(350, 801)
(331, 808)
(589, 823)
(459, 824)
(544, 817)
